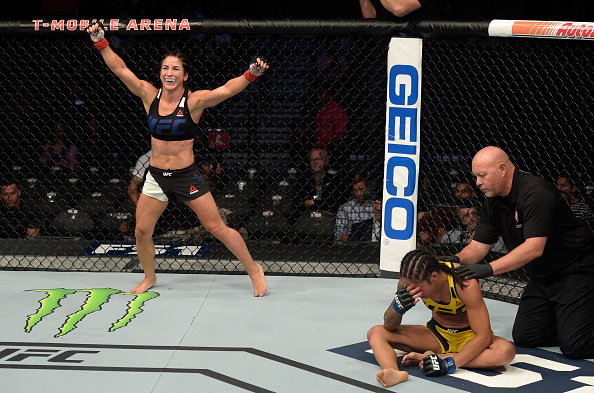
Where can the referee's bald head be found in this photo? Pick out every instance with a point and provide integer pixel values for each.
(493, 170)
(491, 155)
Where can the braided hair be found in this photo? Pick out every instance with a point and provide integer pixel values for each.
(420, 264)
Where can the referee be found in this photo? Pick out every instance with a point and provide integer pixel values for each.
(541, 234)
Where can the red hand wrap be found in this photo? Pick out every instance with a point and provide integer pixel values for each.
(101, 44)
(249, 76)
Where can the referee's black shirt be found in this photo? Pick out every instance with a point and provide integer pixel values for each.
(535, 208)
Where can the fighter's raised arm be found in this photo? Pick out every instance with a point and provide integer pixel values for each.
(201, 99)
(138, 87)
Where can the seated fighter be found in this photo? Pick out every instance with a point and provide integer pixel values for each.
(458, 335)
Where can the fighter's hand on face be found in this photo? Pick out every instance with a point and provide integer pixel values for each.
(258, 66)
(475, 270)
(406, 298)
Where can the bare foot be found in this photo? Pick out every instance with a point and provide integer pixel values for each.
(390, 377)
(258, 280)
(144, 286)
(412, 359)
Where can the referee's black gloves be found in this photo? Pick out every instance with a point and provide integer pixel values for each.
(475, 270)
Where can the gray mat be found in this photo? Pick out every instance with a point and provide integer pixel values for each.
(206, 333)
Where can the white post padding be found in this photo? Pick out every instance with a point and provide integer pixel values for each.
(402, 151)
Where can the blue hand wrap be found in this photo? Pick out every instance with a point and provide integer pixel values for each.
(397, 310)
(403, 301)
(450, 365)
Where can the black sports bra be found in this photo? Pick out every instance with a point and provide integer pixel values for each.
(177, 126)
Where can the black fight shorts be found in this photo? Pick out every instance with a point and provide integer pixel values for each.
(179, 185)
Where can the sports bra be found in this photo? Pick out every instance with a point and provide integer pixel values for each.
(177, 126)
(455, 306)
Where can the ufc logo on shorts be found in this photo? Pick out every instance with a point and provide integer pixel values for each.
(167, 174)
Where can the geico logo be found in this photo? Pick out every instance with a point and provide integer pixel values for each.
(403, 93)
(402, 139)
(52, 355)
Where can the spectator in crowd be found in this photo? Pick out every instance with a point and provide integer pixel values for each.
(433, 224)
(173, 173)
(397, 9)
(370, 229)
(464, 190)
(463, 234)
(138, 172)
(330, 126)
(357, 209)
(543, 236)
(320, 187)
(331, 122)
(19, 218)
(458, 335)
(60, 151)
(569, 191)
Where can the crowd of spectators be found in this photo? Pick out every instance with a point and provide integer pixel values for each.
(318, 202)
(77, 171)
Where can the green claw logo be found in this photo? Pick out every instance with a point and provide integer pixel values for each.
(96, 298)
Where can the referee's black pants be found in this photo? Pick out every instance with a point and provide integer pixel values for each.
(560, 312)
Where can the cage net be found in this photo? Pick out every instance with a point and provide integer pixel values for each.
(529, 97)
(289, 158)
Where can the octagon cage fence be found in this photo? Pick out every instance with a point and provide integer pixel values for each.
(532, 97)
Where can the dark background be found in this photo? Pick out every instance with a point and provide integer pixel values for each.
(577, 10)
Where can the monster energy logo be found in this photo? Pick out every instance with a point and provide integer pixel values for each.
(96, 298)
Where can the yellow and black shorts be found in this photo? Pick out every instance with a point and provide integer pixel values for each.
(450, 340)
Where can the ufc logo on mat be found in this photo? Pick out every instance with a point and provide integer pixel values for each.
(51, 355)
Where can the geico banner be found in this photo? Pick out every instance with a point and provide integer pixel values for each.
(401, 156)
